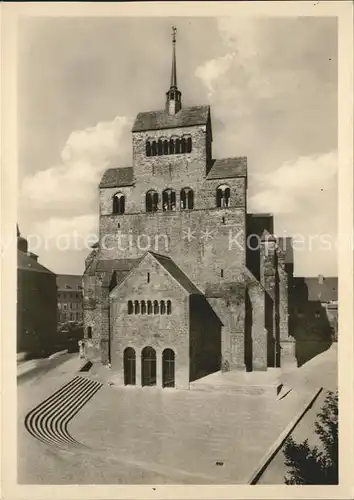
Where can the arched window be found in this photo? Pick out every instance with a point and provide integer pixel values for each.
(89, 332)
(172, 146)
(148, 366)
(169, 307)
(169, 200)
(178, 146)
(162, 307)
(153, 148)
(168, 368)
(183, 145)
(159, 147)
(227, 197)
(187, 198)
(151, 201)
(136, 307)
(148, 148)
(156, 307)
(189, 145)
(118, 203)
(143, 307)
(165, 147)
(223, 194)
(129, 362)
(130, 307)
(149, 307)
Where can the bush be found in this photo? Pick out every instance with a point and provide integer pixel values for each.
(311, 465)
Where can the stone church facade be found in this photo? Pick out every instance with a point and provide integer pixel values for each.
(184, 281)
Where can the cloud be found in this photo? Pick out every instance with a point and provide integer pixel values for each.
(72, 183)
(295, 185)
(212, 70)
(63, 243)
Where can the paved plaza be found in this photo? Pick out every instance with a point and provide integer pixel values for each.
(152, 436)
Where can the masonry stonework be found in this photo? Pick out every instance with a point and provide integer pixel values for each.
(156, 247)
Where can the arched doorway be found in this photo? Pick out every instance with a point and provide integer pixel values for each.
(129, 366)
(148, 366)
(168, 368)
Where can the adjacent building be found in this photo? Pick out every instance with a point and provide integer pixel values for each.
(36, 301)
(70, 299)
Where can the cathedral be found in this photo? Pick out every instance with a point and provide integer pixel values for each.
(184, 281)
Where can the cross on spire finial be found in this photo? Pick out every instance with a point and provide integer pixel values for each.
(174, 31)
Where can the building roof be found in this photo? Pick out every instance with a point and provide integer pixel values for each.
(172, 268)
(27, 263)
(157, 120)
(69, 282)
(117, 177)
(108, 266)
(227, 168)
(319, 288)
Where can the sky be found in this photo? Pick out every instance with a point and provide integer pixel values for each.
(272, 87)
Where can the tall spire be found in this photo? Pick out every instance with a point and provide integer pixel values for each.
(174, 68)
(173, 101)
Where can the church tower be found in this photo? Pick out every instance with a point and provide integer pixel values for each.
(173, 96)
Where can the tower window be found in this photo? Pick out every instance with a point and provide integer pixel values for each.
(169, 200)
(187, 199)
(165, 147)
(223, 196)
(118, 204)
(89, 332)
(153, 148)
(148, 277)
(222, 273)
(151, 201)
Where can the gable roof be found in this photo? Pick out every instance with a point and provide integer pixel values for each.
(172, 269)
(320, 289)
(177, 273)
(69, 282)
(227, 168)
(27, 263)
(157, 120)
(117, 177)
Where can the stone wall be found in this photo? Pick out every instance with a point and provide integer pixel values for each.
(157, 331)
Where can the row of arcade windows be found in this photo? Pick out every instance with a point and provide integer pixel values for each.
(152, 200)
(168, 147)
(148, 363)
(149, 307)
(169, 200)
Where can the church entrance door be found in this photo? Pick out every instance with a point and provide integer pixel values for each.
(129, 366)
(168, 368)
(148, 366)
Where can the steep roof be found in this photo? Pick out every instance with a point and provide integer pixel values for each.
(172, 268)
(319, 288)
(110, 265)
(69, 281)
(26, 263)
(227, 168)
(117, 177)
(157, 120)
